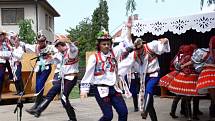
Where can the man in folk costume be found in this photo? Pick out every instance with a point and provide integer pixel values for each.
(146, 56)
(67, 59)
(5, 54)
(43, 66)
(16, 65)
(204, 63)
(102, 71)
(133, 80)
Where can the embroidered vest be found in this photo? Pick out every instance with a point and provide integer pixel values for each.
(104, 65)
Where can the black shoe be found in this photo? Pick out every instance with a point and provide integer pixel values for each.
(196, 118)
(30, 111)
(173, 115)
(37, 115)
(144, 115)
(136, 109)
(199, 112)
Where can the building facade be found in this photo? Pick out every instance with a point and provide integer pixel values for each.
(40, 11)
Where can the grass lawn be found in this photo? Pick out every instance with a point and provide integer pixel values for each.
(75, 93)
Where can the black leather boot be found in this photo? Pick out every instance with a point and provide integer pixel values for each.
(146, 107)
(70, 112)
(17, 87)
(135, 101)
(152, 114)
(174, 106)
(41, 108)
(188, 107)
(37, 102)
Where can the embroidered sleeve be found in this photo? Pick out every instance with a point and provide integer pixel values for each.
(89, 74)
(197, 56)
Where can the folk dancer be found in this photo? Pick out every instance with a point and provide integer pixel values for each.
(184, 83)
(146, 56)
(16, 65)
(204, 63)
(43, 67)
(101, 71)
(67, 57)
(5, 54)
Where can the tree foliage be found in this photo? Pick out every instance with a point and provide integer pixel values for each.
(82, 33)
(209, 2)
(87, 30)
(130, 6)
(26, 32)
(100, 18)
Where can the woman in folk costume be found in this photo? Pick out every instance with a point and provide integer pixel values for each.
(184, 82)
(146, 56)
(16, 65)
(101, 71)
(204, 62)
(5, 54)
(43, 66)
(166, 80)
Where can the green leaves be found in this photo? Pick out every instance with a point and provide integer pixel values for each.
(130, 6)
(26, 33)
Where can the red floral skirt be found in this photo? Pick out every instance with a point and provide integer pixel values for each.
(165, 80)
(206, 79)
(184, 84)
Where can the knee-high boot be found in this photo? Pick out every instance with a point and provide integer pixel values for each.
(148, 99)
(41, 108)
(152, 114)
(37, 102)
(135, 101)
(17, 87)
(174, 106)
(71, 114)
(21, 86)
(188, 107)
(196, 110)
(212, 108)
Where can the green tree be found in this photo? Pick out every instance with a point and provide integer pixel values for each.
(83, 34)
(209, 2)
(100, 19)
(131, 5)
(26, 32)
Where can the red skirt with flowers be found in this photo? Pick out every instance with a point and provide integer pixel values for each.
(206, 79)
(184, 84)
(166, 80)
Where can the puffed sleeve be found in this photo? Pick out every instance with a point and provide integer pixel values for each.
(126, 64)
(89, 74)
(73, 50)
(18, 53)
(158, 47)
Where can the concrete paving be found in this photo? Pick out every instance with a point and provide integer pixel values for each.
(88, 110)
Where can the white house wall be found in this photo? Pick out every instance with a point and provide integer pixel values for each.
(42, 27)
(29, 13)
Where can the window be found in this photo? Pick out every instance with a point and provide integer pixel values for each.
(48, 22)
(12, 16)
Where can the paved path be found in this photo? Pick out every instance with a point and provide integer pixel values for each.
(88, 110)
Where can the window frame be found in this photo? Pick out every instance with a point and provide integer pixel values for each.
(18, 16)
